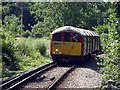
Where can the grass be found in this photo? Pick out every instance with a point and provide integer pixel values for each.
(32, 52)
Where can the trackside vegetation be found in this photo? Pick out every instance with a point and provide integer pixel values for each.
(24, 53)
(27, 45)
(110, 42)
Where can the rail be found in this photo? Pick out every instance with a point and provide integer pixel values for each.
(59, 79)
(22, 78)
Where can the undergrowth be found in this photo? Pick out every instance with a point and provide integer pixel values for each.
(30, 52)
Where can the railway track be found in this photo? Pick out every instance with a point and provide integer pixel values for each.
(51, 78)
(23, 80)
(56, 82)
(18, 81)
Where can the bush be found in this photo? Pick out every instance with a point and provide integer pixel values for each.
(27, 33)
(35, 53)
(24, 53)
(110, 44)
(24, 47)
(41, 48)
(30, 45)
(9, 57)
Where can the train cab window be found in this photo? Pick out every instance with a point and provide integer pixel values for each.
(57, 37)
(75, 37)
(67, 37)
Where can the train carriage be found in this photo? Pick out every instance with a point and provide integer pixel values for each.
(70, 42)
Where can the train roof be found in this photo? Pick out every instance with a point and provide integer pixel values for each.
(80, 31)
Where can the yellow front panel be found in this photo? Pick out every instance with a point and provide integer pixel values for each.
(76, 48)
(66, 48)
(57, 47)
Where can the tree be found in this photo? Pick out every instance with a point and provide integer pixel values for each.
(48, 18)
(12, 8)
(111, 63)
(11, 25)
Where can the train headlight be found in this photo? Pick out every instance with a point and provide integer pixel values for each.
(56, 50)
(59, 52)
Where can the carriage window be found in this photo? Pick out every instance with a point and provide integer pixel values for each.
(76, 37)
(67, 37)
(57, 37)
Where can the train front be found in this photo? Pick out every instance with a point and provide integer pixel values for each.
(65, 44)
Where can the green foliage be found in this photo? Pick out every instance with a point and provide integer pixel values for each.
(24, 47)
(27, 33)
(41, 48)
(110, 44)
(101, 29)
(9, 57)
(11, 25)
(29, 49)
(28, 46)
(40, 19)
(50, 16)
(23, 54)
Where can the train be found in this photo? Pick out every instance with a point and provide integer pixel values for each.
(70, 43)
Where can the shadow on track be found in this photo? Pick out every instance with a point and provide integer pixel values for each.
(88, 63)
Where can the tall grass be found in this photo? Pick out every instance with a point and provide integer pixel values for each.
(43, 46)
(31, 52)
(30, 45)
(36, 50)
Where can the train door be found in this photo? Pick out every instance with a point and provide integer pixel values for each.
(76, 44)
(66, 44)
(71, 44)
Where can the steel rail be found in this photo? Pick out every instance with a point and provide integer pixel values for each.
(22, 77)
(59, 79)
(22, 81)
